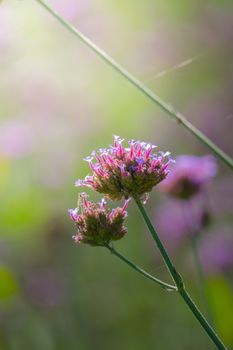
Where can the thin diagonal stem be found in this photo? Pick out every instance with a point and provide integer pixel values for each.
(142, 87)
(174, 274)
(162, 284)
(179, 281)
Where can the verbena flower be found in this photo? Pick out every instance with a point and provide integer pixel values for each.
(126, 171)
(98, 225)
(189, 176)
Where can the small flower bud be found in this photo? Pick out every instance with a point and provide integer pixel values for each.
(97, 225)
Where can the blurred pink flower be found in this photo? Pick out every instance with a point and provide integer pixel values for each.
(16, 139)
(189, 175)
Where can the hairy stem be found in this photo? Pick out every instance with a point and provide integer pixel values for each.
(142, 87)
(179, 281)
(162, 284)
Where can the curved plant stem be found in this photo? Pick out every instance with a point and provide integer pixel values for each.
(140, 86)
(179, 281)
(162, 284)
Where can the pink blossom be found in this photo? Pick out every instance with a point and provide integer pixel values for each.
(190, 174)
(96, 224)
(120, 171)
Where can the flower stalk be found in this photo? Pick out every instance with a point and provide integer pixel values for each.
(128, 172)
(179, 281)
(167, 108)
(162, 284)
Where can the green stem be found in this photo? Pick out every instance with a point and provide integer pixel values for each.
(140, 86)
(174, 274)
(162, 284)
(202, 320)
(179, 281)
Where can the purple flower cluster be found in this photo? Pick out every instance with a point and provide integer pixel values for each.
(117, 172)
(126, 171)
(189, 176)
(97, 225)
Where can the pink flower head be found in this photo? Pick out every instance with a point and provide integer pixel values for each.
(189, 176)
(126, 171)
(97, 225)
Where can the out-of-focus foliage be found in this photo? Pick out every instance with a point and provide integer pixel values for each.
(8, 286)
(220, 295)
(58, 102)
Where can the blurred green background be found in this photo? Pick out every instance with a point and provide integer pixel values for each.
(58, 102)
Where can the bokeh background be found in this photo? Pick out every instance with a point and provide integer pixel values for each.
(58, 102)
